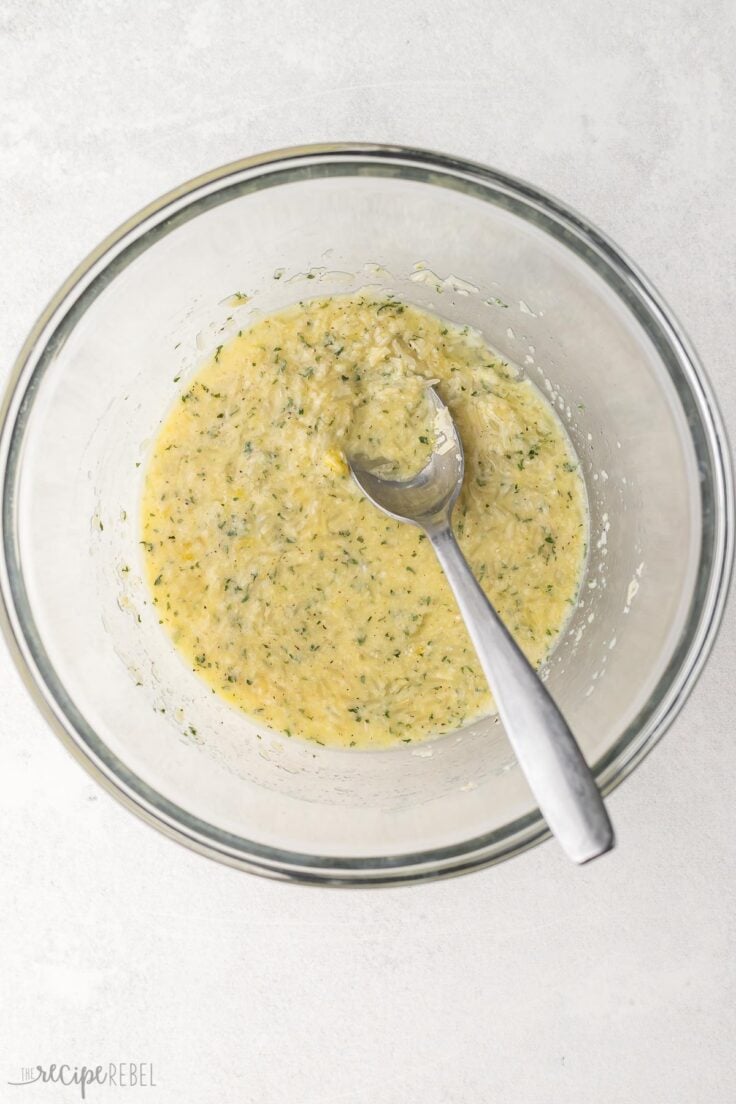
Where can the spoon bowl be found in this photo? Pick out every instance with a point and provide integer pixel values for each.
(429, 496)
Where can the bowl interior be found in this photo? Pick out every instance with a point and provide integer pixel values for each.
(115, 358)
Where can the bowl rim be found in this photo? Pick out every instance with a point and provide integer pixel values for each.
(693, 388)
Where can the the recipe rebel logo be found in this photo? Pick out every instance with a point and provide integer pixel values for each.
(121, 1075)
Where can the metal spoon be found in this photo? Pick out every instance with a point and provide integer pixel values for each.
(544, 746)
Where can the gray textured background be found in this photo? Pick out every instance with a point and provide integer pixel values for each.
(530, 983)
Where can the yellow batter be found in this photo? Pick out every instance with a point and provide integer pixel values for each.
(293, 596)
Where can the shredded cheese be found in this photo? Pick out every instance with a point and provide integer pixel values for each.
(285, 589)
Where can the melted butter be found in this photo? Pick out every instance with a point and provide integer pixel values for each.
(294, 597)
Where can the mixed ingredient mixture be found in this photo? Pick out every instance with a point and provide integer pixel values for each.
(294, 597)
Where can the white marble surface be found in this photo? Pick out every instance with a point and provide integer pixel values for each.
(525, 984)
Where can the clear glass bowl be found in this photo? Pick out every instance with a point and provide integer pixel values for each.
(107, 359)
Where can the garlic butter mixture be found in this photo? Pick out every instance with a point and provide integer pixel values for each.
(294, 597)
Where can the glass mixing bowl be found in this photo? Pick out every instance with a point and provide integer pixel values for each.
(109, 356)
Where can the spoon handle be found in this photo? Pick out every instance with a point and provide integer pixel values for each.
(546, 749)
